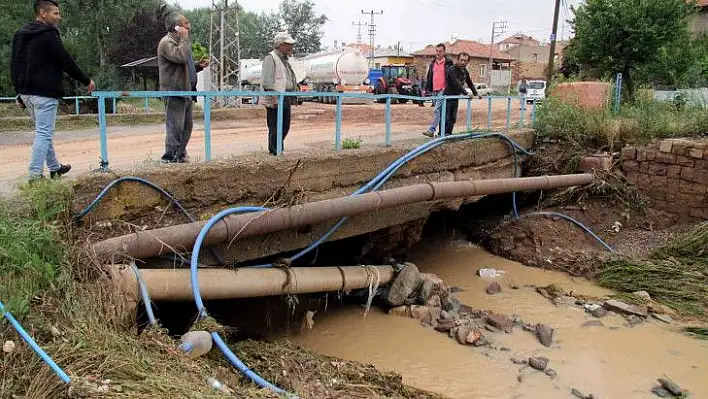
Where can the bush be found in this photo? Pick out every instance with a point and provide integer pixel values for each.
(350, 144)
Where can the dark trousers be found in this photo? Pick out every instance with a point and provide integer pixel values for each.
(178, 115)
(450, 115)
(272, 118)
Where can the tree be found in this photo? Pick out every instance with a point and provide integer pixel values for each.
(139, 38)
(303, 24)
(614, 36)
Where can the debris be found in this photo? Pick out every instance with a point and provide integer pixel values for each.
(8, 347)
(529, 328)
(564, 300)
(519, 361)
(642, 294)
(419, 312)
(580, 395)
(544, 334)
(634, 320)
(482, 341)
(661, 392)
(501, 322)
(616, 227)
(514, 287)
(490, 273)
(406, 282)
(445, 315)
(539, 363)
(310, 319)
(551, 373)
(494, 288)
(434, 301)
(451, 304)
(662, 317)
(621, 307)
(593, 323)
(404, 311)
(445, 326)
(670, 386)
(454, 289)
(600, 312)
(461, 334)
(466, 310)
(473, 336)
(493, 329)
(55, 331)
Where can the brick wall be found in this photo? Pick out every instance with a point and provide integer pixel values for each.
(673, 173)
(587, 95)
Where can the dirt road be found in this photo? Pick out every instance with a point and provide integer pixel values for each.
(131, 147)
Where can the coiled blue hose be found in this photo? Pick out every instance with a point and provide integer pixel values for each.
(36, 348)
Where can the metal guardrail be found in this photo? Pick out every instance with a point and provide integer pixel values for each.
(76, 102)
(210, 95)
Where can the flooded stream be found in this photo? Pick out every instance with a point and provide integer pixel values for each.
(612, 361)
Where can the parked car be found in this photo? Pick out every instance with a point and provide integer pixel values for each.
(536, 91)
(483, 90)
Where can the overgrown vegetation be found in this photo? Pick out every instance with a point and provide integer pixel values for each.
(674, 275)
(88, 327)
(351, 144)
(637, 122)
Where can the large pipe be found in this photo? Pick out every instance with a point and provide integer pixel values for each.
(174, 284)
(149, 243)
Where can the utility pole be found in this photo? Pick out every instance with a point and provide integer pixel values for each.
(498, 29)
(358, 30)
(372, 32)
(225, 46)
(552, 55)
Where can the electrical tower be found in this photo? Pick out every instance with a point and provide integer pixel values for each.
(498, 29)
(372, 32)
(225, 48)
(358, 31)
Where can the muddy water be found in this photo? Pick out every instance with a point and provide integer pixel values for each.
(614, 361)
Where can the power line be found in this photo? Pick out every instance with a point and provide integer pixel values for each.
(372, 32)
(358, 30)
(498, 29)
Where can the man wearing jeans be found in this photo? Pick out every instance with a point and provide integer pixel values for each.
(39, 61)
(278, 75)
(435, 84)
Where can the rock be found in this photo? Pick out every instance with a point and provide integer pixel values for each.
(501, 322)
(425, 291)
(520, 377)
(624, 308)
(435, 313)
(544, 334)
(519, 361)
(445, 315)
(551, 373)
(662, 317)
(419, 312)
(593, 323)
(461, 334)
(404, 311)
(445, 326)
(670, 386)
(8, 347)
(579, 394)
(518, 322)
(599, 312)
(564, 300)
(466, 310)
(406, 282)
(633, 320)
(514, 287)
(529, 328)
(661, 309)
(434, 301)
(642, 294)
(482, 341)
(661, 392)
(451, 304)
(454, 289)
(494, 288)
(427, 320)
(473, 336)
(493, 329)
(539, 363)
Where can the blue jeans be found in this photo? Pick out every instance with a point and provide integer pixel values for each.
(437, 112)
(43, 111)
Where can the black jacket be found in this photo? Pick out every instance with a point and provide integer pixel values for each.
(39, 60)
(429, 81)
(455, 79)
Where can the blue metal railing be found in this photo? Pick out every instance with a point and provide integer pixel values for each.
(76, 102)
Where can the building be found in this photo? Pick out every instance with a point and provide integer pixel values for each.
(390, 56)
(530, 56)
(700, 21)
(501, 67)
(518, 39)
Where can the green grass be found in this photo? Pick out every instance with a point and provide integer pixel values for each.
(351, 144)
(637, 122)
(674, 275)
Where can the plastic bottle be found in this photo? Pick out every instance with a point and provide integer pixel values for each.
(214, 383)
(196, 343)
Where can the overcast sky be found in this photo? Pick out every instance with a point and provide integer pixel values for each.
(416, 23)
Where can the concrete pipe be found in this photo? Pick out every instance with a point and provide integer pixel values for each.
(174, 284)
(149, 243)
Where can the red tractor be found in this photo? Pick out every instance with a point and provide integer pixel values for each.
(398, 79)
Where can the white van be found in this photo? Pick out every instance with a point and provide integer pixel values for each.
(536, 90)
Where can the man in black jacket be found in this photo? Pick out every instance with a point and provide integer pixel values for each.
(456, 77)
(39, 61)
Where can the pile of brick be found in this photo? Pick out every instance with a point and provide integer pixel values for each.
(586, 95)
(673, 173)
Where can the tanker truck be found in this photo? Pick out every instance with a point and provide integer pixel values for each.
(339, 71)
(252, 72)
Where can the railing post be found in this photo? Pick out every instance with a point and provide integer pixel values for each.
(508, 112)
(533, 113)
(523, 111)
(114, 105)
(338, 125)
(469, 115)
(76, 102)
(279, 138)
(103, 132)
(147, 104)
(388, 120)
(489, 114)
(443, 116)
(207, 128)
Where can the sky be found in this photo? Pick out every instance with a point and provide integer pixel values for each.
(417, 23)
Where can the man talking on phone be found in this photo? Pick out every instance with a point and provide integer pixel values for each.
(178, 72)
